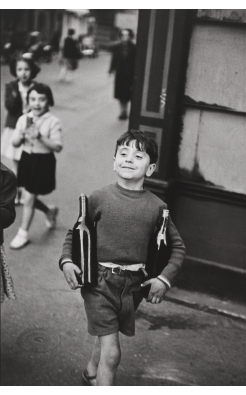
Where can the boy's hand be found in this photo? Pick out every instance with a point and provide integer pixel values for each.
(69, 270)
(157, 290)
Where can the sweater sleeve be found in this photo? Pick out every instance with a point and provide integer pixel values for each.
(7, 201)
(56, 132)
(67, 247)
(177, 256)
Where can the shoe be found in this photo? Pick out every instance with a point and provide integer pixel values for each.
(20, 240)
(86, 378)
(123, 116)
(50, 221)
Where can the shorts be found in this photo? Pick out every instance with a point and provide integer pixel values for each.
(111, 304)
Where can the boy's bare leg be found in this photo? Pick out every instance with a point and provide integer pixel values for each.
(109, 359)
(94, 361)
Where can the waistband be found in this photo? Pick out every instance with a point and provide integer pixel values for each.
(133, 268)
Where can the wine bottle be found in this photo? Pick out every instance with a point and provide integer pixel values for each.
(81, 243)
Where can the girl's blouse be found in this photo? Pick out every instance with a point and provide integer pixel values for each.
(47, 124)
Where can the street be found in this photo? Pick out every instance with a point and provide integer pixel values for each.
(44, 339)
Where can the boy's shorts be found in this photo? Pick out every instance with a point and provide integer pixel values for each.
(111, 304)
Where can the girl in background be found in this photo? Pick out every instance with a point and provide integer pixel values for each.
(39, 133)
(25, 70)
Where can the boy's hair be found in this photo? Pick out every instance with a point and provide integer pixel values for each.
(143, 143)
(35, 69)
(42, 89)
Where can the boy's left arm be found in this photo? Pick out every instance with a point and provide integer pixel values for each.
(161, 284)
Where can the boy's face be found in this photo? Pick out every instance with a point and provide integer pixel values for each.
(23, 71)
(38, 103)
(132, 164)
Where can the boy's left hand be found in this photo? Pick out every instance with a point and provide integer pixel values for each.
(157, 290)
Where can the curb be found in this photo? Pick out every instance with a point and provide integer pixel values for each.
(207, 309)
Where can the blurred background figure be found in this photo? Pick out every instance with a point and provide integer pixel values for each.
(88, 47)
(122, 63)
(24, 69)
(69, 57)
(7, 217)
(35, 46)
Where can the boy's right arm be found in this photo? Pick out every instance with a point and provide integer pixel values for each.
(66, 263)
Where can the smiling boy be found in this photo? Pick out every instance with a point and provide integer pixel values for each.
(126, 215)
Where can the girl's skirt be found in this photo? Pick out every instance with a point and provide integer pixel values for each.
(7, 148)
(36, 173)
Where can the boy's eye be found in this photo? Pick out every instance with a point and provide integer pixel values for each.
(139, 157)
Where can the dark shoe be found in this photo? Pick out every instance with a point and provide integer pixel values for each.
(123, 116)
(86, 378)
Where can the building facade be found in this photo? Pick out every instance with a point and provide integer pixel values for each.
(198, 56)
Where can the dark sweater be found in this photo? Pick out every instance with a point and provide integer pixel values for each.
(13, 103)
(7, 199)
(126, 219)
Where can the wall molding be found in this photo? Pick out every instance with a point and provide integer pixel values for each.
(201, 191)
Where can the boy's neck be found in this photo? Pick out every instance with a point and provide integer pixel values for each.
(131, 184)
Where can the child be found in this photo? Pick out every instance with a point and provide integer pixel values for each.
(24, 69)
(125, 215)
(39, 132)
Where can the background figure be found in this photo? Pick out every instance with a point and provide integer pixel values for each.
(35, 45)
(7, 217)
(70, 56)
(24, 69)
(122, 63)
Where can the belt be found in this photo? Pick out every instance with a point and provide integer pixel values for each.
(119, 270)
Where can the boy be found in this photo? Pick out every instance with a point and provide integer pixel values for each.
(126, 215)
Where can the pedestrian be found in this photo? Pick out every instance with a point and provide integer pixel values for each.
(122, 63)
(69, 58)
(7, 217)
(24, 69)
(40, 134)
(125, 215)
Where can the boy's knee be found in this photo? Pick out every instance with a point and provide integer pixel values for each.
(111, 357)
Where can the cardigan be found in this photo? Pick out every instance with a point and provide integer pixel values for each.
(47, 124)
(13, 103)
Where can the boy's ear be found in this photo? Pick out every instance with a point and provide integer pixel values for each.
(150, 170)
(114, 163)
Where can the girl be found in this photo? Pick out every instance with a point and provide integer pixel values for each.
(39, 132)
(24, 69)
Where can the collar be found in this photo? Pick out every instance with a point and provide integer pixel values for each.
(22, 88)
(45, 115)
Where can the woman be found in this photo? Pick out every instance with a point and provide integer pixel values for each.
(122, 64)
